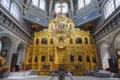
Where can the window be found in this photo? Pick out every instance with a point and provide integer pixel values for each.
(87, 2)
(6, 3)
(108, 8)
(64, 7)
(42, 4)
(117, 2)
(15, 10)
(83, 3)
(35, 2)
(57, 9)
(80, 4)
(0, 46)
(39, 3)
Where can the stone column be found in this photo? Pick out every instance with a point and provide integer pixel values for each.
(72, 7)
(50, 8)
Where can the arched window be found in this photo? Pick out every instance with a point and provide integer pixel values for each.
(109, 8)
(5, 3)
(64, 9)
(57, 9)
(83, 3)
(0, 46)
(15, 10)
(39, 3)
(78, 41)
(86, 40)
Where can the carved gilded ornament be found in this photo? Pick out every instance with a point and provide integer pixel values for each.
(61, 44)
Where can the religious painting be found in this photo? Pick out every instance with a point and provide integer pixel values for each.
(37, 41)
(71, 41)
(44, 41)
(52, 28)
(70, 27)
(78, 40)
(51, 41)
(61, 39)
(61, 25)
(36, 59)
(72, 58)
(43, 58)
(51, 57)
(87, 58)
(86, 40)
(79, 58)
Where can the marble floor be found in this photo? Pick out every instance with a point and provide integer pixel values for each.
(56, 78)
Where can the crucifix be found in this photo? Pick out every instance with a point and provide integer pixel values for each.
(61, 6)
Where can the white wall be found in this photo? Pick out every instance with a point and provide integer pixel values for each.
(15, 41)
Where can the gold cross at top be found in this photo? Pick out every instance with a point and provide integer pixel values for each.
(61, 6)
